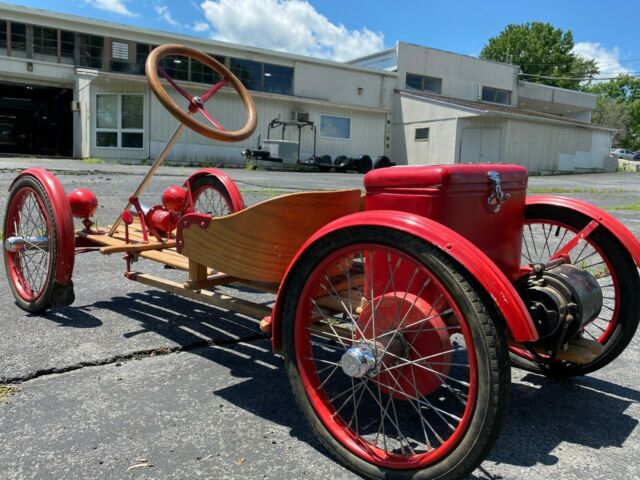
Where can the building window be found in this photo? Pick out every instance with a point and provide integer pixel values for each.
(3, 34)
(18, 37)
(249, 73)
(336, 127)
(67, 45)
(424, 83)
(119, 120)
(45, 43)
(263, 77)
(176, 67)
(422, 134)
(201, 73)
(278, 79)
(496, 95)
(90, 51)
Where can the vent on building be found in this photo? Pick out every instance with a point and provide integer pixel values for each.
(119, 51)
(299, 116)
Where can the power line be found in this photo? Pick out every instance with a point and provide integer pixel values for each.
(564, 64)
(630, 74)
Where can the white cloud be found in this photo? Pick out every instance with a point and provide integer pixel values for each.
(287, 25)
(607, 60)
(164, 14)
(199, 26)
(113, 6)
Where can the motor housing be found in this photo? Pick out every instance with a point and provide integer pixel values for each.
(561, 301)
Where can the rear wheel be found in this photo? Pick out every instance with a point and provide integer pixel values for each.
(211, 197)
(394, 355)
(30, 245)
(547, 229)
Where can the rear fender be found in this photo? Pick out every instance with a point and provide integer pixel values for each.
(63, 221)
(451, 243)
(604, 219)
(237, 202)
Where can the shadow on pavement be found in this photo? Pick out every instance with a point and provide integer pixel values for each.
(544, 412)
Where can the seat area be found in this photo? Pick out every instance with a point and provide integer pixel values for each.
(259, 242)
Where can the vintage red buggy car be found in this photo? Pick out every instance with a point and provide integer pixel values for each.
(398, 312)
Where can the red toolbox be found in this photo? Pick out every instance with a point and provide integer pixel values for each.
(483, 202)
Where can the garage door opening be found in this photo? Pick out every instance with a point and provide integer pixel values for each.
(36, 120)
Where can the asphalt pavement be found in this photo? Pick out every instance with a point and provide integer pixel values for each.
(132, 382)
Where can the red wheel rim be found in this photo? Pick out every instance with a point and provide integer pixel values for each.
(210, 200)
(30, 268)
(542, 238)
(410, 433)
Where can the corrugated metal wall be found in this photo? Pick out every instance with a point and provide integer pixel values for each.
(367, 127)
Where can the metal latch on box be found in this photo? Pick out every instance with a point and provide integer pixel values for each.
(497, 197)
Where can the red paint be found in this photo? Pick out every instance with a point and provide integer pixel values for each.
(328, 413)
(394, 310)
(174, 198)
(237, 202)
(199, 219)
(160, 221)
(490, 277)
(62, 218)
(456, 196)
(18, 278)
(83, 203)
(606, 220)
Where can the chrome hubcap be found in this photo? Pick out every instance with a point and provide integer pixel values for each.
(358, 361)
(19, 244)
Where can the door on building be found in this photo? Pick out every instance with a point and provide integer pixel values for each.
(36, 120)
(480, 145)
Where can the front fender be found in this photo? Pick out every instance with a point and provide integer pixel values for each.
(451, 243)
(606, 220)
(62, 218)
(237, 202)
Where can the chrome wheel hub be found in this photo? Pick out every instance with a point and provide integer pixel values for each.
(358, 361)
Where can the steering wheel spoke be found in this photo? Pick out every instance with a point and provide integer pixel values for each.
(207, 126)
(177, 87)
(212, 91)
(208, 116)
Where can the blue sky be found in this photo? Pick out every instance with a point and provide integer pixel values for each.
(605, 30)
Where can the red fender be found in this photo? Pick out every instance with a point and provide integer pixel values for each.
(62, 218)
(606, 220)
(237, 202)
(453, 244)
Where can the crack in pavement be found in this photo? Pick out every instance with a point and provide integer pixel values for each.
(137, 355)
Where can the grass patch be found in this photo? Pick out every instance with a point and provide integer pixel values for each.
(6, 391)
(92, 160)
(266, 192)
(629, 207)
(590, 191)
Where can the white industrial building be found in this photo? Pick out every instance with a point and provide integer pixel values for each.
(72, 86)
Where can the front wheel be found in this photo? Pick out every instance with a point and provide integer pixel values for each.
(395, 356)
(211, 197)
(30, 244)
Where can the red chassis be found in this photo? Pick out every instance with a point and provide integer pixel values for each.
(398, 313)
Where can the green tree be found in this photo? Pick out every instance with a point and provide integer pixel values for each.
(540, 49)
(619, 107)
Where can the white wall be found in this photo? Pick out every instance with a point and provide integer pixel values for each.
(461, 75)
(545, 148)
(367, 127)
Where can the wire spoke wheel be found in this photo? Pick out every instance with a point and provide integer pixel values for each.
(210, 197)
(382, 350)
(30, 244)
(549, 230)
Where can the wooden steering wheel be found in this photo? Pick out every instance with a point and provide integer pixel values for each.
(196, 103)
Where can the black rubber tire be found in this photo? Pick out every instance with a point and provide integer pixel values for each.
(43, 302)
(364, 164)
(215, 183)
(626, 271)
(494, 377)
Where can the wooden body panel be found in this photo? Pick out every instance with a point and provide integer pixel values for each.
(259, 242)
